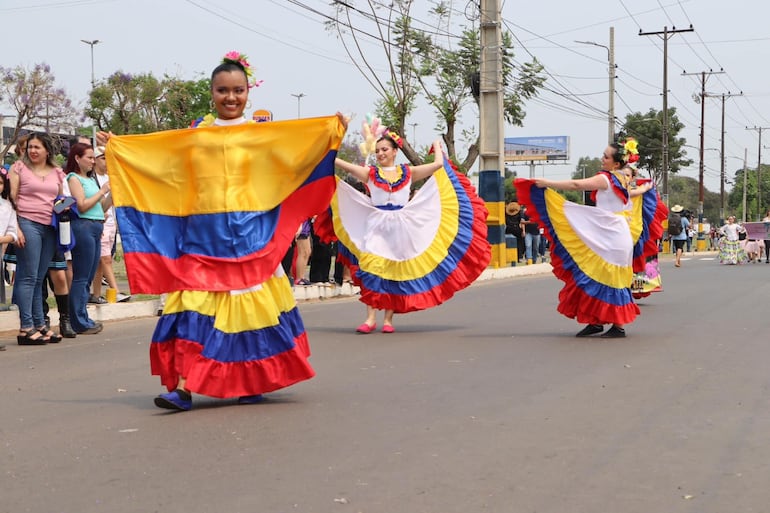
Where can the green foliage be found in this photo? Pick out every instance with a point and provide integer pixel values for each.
(422, 63)
(587, 167)
(735, 198)
(129, 104)
(685, 191)
(648, 130)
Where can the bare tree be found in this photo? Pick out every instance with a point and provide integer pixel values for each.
(37, 101)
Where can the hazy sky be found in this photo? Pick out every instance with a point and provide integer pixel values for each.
(294, 54)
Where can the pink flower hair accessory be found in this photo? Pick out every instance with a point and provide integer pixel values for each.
(242, 60)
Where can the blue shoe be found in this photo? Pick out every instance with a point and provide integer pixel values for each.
(251, 399)
(175, 400)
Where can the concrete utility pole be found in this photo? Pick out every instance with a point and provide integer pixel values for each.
(745, 172)
(665, 35)
(703, 74)
(611, 70)
(491, 149)
(759, 169)
(491, 142)
(723, 158)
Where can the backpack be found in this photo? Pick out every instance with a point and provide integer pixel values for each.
(674, 224)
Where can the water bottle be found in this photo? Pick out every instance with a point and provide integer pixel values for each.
(65, 235)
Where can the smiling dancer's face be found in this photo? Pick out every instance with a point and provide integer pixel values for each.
(230, 93)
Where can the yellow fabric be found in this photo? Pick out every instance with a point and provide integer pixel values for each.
(592, 264)
(231, 163)
(635, 221)
(252, 310)
(428, 261)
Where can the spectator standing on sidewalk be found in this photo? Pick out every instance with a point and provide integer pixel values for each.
(531, 236)
(109, 234)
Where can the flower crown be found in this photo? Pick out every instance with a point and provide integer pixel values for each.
(630, 151)
(393, 136)
(242, 60)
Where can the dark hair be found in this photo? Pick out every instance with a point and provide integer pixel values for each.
(77, 150)
(47, 143)
(618, 155)
(6, 186)
(228, 67)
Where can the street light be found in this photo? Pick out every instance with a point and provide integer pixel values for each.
(414, 133)
(298, 96)
(611, 70)
(92, 43)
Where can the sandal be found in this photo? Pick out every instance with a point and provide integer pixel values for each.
(27, 338)
(50, 336)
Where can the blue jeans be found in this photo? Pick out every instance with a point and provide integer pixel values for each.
(31, 265)
(531, 241)
(85, 260)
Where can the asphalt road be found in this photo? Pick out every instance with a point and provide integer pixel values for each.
(487, 403)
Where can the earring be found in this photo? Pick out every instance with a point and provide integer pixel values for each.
(248, 104)
(211, 105)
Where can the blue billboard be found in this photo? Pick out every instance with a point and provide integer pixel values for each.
(519, 149)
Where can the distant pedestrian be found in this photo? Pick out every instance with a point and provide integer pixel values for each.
(679, 239)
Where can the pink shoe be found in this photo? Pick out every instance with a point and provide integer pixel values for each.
(387, 328)
(366, 329)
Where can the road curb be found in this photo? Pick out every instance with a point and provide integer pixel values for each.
(9, 320)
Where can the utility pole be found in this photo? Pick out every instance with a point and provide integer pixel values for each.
(759, 169)
(703, 74)
(665, 35)
(611, 70)
(722, 156)
(491, 143)
(745, 172)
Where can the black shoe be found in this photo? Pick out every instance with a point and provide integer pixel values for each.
(614, 332)
(28, 340)
(591, 329)
(65, 328)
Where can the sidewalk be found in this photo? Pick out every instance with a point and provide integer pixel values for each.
(9, 321)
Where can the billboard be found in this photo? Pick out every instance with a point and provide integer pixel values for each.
(524, 149)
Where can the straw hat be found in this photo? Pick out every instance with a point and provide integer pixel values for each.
(98, 151)
(512, 208)
(677, 208)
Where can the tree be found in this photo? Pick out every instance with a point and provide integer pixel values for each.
(37, 101)
(735, 198)
(648, 130)
(587, 167)
(129, 104)
(429, 63)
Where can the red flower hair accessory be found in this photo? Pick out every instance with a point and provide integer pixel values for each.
(393, 136)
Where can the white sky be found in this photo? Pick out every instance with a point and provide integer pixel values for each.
(292, 52)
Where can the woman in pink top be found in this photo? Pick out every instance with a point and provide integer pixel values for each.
(35, 183)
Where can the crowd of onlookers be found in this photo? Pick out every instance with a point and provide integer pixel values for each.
(58, 233)
(309, 259)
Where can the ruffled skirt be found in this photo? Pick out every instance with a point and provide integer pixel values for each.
(731, 252)
(231, 344)
(591, 252)
(418, 256)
